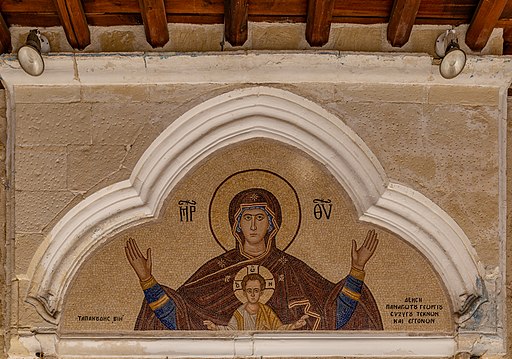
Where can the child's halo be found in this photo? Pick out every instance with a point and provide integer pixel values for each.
(270, 283)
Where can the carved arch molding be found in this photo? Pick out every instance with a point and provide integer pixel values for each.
(230, 118)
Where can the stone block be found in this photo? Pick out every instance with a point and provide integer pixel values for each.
(133, 152)
(191, 37)
(266, 36)
(175, 95)
(464, 95)
(476, 212)
(26, 245)
(47, 94)
(36, 210)
(114, 93)
(53, 124)
(3, 100)
(90, 165)
(119, 39)
(353, 92)
(41, 168)
(392, 126)
(447, 153)
(55, 35)
(460, 128)
(355, 38)
(3, 125)
(27, 314)
(118, 123)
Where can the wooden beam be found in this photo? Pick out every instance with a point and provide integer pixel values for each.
(403, 16)
(507, 41)
(483, 23)
(507, 11)
(72, 18)
(236, 13)
(5, 36)
(318, 21)
(154, 18)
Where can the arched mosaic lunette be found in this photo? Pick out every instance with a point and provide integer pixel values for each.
(230, 118)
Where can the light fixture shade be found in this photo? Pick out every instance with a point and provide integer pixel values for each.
(29, 55)
(453, 63)
(453, 58)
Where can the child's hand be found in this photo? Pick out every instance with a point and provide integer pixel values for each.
(210, 325)
(301, 322)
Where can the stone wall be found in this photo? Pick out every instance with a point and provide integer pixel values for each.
(3, 230)
(73, 138)
(509, 227)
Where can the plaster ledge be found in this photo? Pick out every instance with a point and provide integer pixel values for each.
(253, 67)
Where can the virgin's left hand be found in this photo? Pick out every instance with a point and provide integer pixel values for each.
(361, 255)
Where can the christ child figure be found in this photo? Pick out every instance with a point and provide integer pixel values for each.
(254, 315)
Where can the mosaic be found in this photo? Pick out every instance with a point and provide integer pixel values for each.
(266, 240)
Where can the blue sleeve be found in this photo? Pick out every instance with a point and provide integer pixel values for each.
(347, 299)
(162, 305)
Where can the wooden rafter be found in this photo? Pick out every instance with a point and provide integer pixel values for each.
(318, 21)
(507, 41)
(5, 36)
(154, 18)
(403, 16)
(507, 11)
(236, 13)
(72, 18)
(483, 23)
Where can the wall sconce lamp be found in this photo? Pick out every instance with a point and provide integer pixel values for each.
(453, 59)
(29, 55)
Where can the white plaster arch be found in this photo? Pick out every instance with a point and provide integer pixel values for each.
(231, 118)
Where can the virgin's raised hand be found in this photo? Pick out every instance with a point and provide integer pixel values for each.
(140, 264)
(361, 255)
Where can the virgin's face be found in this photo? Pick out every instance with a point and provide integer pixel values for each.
(254, 224)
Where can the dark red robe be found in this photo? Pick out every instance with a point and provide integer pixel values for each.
(208, 295)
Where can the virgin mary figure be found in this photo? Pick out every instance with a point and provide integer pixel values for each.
(299, 291)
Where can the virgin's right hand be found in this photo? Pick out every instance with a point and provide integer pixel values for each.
(140, 264)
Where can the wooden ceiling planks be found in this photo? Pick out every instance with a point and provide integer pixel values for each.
(483, 23)
(74, 22)
(447, 9)
(32, 19)
(236, 15)
(371, 8)
(115, 19)
(401, 21)
(111, 6)
(27, 6)
(154, 19)
(75, 16)
(429, 10)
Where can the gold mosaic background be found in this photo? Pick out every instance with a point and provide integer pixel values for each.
(398, 275)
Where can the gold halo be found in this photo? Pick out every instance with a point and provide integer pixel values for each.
(240, 181)
(270, 283)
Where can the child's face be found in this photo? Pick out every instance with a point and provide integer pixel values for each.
(253, 291)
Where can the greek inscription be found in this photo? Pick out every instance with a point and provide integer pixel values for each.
(323, 207)
(187, 210)
(413, 310)
(100, 318)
